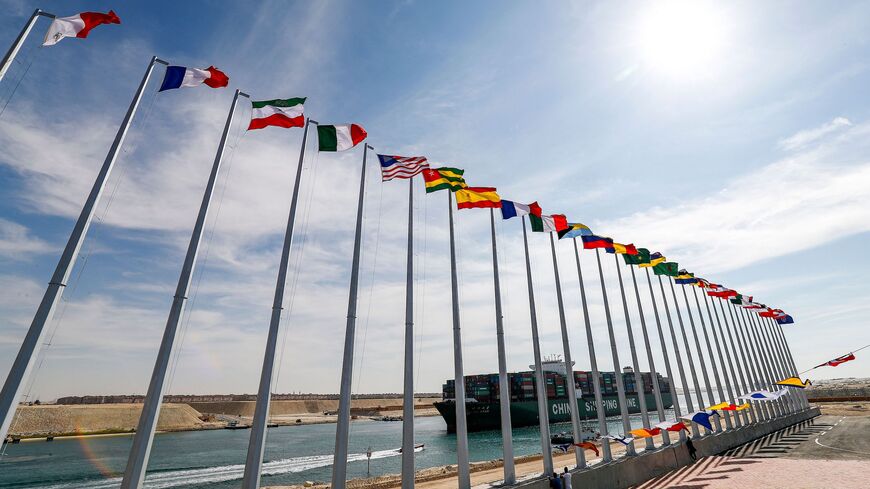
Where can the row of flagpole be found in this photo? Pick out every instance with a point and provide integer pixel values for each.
(768, 363)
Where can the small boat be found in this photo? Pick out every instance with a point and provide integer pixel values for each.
(417, 448)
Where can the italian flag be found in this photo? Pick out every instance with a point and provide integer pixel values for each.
(341, 137)
(278, 112)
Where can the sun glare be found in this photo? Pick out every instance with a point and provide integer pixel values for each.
(682, 39)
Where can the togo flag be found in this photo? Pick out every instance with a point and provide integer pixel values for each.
(180, 76)
(341, 137)
(77, 26)
(279, 112)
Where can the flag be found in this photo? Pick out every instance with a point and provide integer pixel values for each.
(77, 26)
(441, 178)
(702, 418)
(838, 361)
(341, 137)
(592, 241)
(575, 229)
(588, 446)
(477, 198)
(548, 224)
(562, 447)
(668, 268)
(401, 166)
(180, 76)
(625, 440)
(702, 283)
(741, 300)
(511, 209)
(786, 319)
(721, 292)
(754, 305)
(772, 313)
(286, 112)
(685, 278)
(764, 395)
(795, 382)
(645, 433)
(641, 257)
(674, 425)
(654, 259)
(728, 406)
(621, 249)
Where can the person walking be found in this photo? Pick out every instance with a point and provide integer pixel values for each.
(693, 452)
(555, 481)
(566, 479)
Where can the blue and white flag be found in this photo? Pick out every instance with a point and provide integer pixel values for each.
(764, 395)
(702, 418)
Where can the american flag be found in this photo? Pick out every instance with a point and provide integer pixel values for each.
(401, 166)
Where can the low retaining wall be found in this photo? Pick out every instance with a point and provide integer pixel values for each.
(631, 471)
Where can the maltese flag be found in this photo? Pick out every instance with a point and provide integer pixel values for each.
(77, 26)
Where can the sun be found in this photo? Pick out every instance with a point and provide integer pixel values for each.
(682, 39)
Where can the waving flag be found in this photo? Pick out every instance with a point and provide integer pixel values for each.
(764, 395)
(441, 178)
(548, 224)
(625, 440)
(511, 209)
(77, 26)
(721, 292)
(341, 137)
(675, 426)
(592, 241)
(702, 418)
(645, 433)
(588, 446)
(741, 300)
(179, 76)
(575, 229)
(621, 249)
(401, 166)
(669, 268)
(795, 382)
(785, 319)
(728, 406)
(654, 259)
(685, 278)
(477, 198)
(642, 257)
(278, 112)
(838, 361)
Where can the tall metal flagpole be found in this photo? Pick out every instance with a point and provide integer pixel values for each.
(617, 370)
(540, 381)
(408, 398)
(716, 378)
(579, 455)
(504, 387)
(29, 350)
(638, 378)
(19, 41)
(688, 354)
(716, 422)
(789, 361)
(766, 409)
(733, 380)
(745, 380)
(657, 393)
(137, 461)
(671, 387)
(764, 352)
(606, 456)
(766, 376)
(342, 429)
(776, 362)
(741, 379)
(687, 394)
(761, 413)
(257, 441)
(462, 463)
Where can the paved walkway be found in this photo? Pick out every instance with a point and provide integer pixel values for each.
(829, 451)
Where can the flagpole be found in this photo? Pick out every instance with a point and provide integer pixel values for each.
(716, 377)
(733, 379)
(408, 454)
(504, 387)
(32, 344)
(687, 394)
(638, 378)
(744, 379)
(755, 364)
(540, 381)
(579, 455)
(607, 456)
(718, 424)
(776, 362)
(766, 376)
(19, 41)
(657, 394)
(617, 370)
(777, 331)
(257, 441)
(751, 365)
(342, 429)
(688, 351)
(736, 381)
(664, 347)
(764, 354)
(137, 461)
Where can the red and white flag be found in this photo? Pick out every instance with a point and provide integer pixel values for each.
(77, 26)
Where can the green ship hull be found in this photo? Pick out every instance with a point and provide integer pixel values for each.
(482, 416)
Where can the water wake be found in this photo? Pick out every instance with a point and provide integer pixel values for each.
(176, 478)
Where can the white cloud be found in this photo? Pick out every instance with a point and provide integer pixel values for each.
(17, 242)
(808, 136)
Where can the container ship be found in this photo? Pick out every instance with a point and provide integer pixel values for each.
(482, 396)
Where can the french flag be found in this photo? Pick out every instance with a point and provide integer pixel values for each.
(180, 76)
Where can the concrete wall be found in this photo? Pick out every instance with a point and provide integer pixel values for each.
(626, 472)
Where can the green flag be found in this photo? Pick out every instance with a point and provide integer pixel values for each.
(642, 256)
(668, 268)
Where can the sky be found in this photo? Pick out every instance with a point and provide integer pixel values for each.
(731, 137)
